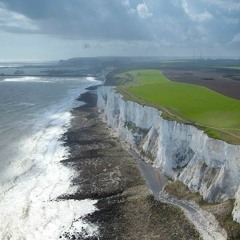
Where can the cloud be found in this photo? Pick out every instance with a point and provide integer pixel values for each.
(225, 5)
(125, 3)
(131, 12)
(176, 3)
(86, 45)
(12, 21)
(91, 19)
(232, 21)
(143, 11)
(172, 24)
(236, 38)
(194, 14)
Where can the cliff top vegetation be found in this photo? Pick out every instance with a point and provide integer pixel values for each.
(216, 114)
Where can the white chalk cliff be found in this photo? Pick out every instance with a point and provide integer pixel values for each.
(183, 152)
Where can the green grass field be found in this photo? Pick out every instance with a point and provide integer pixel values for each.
(218, 115)
(232, 67)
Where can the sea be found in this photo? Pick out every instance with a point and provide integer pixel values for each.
(34, 114)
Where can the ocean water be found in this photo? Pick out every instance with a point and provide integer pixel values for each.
(34, 113)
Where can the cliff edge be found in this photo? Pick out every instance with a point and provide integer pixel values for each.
(183, 152)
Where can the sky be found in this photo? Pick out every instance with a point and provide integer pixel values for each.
(37, 30)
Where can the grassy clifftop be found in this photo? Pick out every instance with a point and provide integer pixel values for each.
(216, 114)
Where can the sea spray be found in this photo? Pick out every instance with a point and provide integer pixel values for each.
(32, 176)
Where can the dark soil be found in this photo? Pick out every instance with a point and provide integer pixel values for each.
(212, 79)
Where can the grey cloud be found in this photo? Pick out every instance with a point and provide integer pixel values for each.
(128, 24)
(92, 19)
(236, 38)
(143, 11)
(126, 3)
(86, 46)
(225, 5)
(194, 14)
(230, 20)
(15, 22)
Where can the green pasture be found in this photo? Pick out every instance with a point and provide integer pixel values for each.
(217, 114)
(232, 67)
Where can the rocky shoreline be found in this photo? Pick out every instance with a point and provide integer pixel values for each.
(107, 172)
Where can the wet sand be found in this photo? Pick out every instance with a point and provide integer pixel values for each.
(107, 172)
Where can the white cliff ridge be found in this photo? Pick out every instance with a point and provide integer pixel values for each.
(183, 152)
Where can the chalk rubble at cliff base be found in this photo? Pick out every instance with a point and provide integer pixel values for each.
(181, 151)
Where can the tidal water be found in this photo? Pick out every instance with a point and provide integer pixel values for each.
(34, 113)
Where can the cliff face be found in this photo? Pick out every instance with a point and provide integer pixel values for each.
(208, 166)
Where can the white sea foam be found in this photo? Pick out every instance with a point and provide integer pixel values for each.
(92, 79)
(34, 180)
(26, 79)
(26, 104)
(8, 66)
